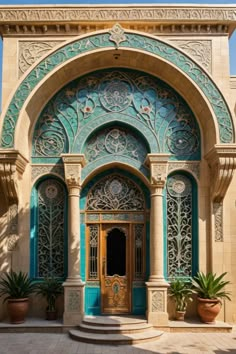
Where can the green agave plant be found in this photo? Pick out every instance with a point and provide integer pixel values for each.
(50, 288)
(181, 291)
(210, 286)
(16, 285)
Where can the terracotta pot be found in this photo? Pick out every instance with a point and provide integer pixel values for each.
(18, 309)
(51, 315)
(179, 316)
(208, 309)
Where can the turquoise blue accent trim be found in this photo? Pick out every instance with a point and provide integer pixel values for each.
(82, 252)
(165, 234)
(34, 228)
(139, 301)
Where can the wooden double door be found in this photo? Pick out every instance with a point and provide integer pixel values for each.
(116, 267)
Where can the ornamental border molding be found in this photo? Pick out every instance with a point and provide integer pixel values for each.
(144, 42)
(99, 13)
(218, 213)
(38, 171)
(189, 166)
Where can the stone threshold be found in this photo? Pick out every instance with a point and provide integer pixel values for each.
(40, 325)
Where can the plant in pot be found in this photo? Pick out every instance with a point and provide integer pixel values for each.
(50, 288)
(210, 290)
(181, 291)
(17, 287)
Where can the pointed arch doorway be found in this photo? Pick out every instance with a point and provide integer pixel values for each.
(115, 236)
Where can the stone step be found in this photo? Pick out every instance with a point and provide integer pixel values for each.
(113, 321)
(121, 329)
(115, 339)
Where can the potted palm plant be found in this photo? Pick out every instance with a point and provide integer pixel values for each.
(210, 290)
(50, 288)
(180, 290)
(18, 287)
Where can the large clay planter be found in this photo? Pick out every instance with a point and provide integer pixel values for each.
(17, 309)
(208, 309)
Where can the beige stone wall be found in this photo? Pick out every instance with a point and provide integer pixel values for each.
(216, 256)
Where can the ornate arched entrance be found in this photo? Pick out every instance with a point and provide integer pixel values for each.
(116, 250)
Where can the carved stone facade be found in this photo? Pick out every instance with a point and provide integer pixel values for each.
(127, 115)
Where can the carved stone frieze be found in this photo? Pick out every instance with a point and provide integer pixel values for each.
(116, 13)
(222, 162)
(200, 50)
(73, 300)
(218, 214)
(191, 166)
(40, 170)
(31, 51)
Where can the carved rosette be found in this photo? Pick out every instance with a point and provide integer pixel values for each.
(222, 162)
(158, 164)
(73, 164)
(12, 166)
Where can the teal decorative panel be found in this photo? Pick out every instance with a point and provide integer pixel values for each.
(92, 301)
(139, 301)
(87, 107)
(140, 97)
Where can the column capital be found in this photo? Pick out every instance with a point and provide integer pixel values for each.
(158, 164)
(73, 164)
(222, 162)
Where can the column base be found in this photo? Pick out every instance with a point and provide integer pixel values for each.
(73, 302)
(157, 304)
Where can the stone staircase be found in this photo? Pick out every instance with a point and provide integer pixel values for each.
(114, 330)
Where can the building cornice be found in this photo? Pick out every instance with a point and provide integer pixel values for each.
(34, 19)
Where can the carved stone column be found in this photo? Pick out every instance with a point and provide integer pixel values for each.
(157, 285)
(12, 167)
(73, 286)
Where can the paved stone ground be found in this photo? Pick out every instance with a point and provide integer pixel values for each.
(169, 343)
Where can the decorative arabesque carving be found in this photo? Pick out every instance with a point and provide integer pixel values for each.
(115, 141)
(31, 51)
(146, 100)
(115, 192)
(198, 49)
(179, 226)
(40, 170)
(158, 301)
(130, 13)
(218, 214)
(192, 167)
(12, 166)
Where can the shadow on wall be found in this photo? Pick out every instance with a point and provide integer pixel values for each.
(14, 245)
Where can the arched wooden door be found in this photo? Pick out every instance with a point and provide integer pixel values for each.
(116, 268)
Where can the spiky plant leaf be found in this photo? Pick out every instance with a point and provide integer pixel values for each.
(210, 286)
(16, 285)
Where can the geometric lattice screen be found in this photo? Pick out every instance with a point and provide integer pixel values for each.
(179, 226)
(50, 229)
